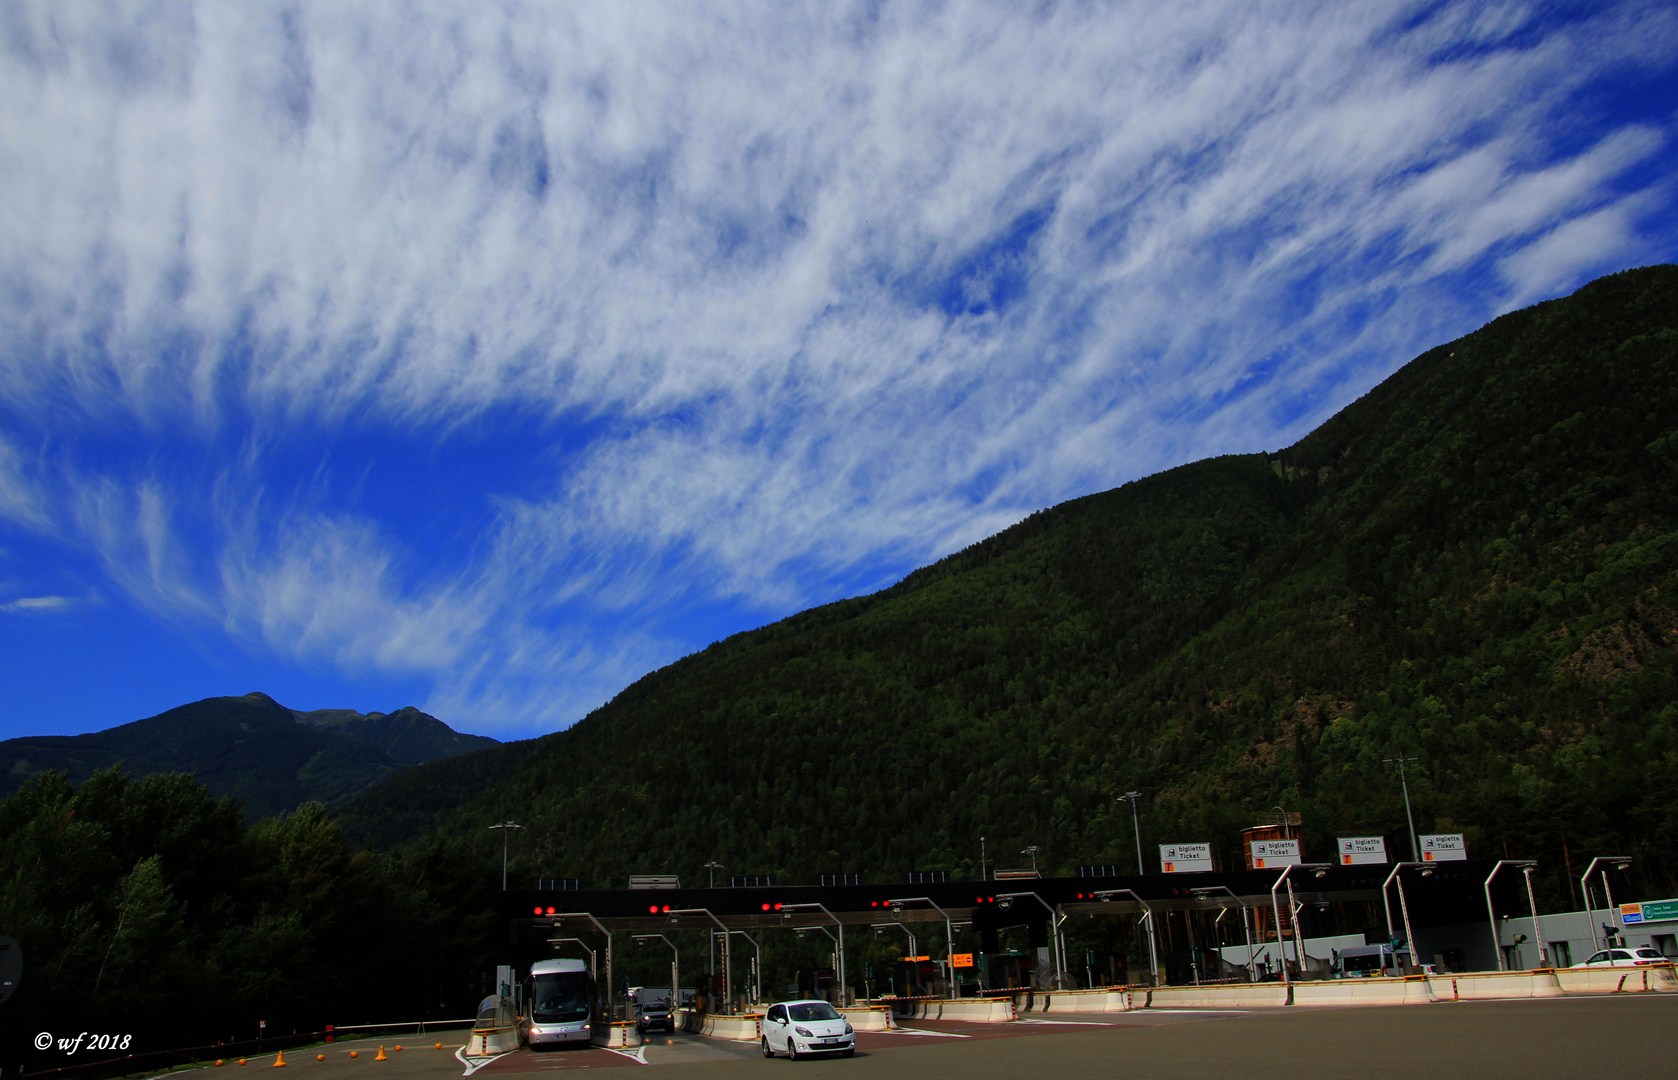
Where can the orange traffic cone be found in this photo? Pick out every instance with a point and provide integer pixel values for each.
(355, 1053)
(439, 1046)
(320, 1057)
(381, 1056)
(279, 1060)
(398, 1048)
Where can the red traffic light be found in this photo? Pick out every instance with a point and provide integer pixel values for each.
(653, 910)
(538, 911)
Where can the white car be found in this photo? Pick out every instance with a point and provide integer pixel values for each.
(1642, 956)
(798, 1028)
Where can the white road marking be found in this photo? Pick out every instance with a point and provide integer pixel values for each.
(1080, 1023)
(639, 1054)
(471, 1067)
(918, 1031)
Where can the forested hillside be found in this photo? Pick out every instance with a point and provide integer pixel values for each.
(1475, 564)
(272, 757)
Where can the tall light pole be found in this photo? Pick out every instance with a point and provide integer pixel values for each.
(982, 858)
(1415, 845)
(1131, 797)
(711, 955)
(507, 828)
(1619, 862)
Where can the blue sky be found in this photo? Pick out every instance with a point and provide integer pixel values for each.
(486, 357)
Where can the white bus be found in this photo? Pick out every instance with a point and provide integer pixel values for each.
(560, 996)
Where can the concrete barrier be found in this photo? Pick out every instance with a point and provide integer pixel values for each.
(618, 1035)
(492, 1041)
(1481, 985)
(1104, 999)
(1227, 996)
(741, 1027)
(1378, 991)
(972, 1010)
(868, 1017)
(1654, 979)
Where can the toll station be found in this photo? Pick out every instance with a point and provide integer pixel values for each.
(1226, 922)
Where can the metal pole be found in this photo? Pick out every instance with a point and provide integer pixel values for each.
(757, 987)
(1276, 910)
(1409, 934)
(982, 859)
(507, 828)
(1060, 976)
(711, 869)
(1585, 887)
(839, 961)
(1136, 827)
(1153, 954)
(1537, 934)
(1415, 845)
(1491, 915)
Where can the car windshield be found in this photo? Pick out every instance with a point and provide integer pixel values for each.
(815, 1010)
(560, 996)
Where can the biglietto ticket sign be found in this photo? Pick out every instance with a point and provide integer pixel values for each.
(1362, 850)
(1269, 853)
(1445, 847)
(1184, 858)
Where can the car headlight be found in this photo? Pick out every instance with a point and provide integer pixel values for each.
(848, 1029)
(804, 1032)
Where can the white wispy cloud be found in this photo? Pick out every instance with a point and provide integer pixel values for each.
(776, 301)
(27, 605)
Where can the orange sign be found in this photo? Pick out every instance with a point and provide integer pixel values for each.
(914, 959)
(962, 959)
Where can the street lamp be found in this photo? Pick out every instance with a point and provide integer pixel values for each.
(711, 955)
(1205, 893)
(1415, 845)
(1293, 914)
(1618, 862)
(1403, 907)
(981, 858)
(896, 907)
(507, 829)
(880, 928)
(674, 916)
(757, 980)
(843, 985)
(581, 945)
(1491, 915)
(675, 970)
(1032, 851)
(1054, 915)
(556, 919)
(1106, 896)
(1131, 797)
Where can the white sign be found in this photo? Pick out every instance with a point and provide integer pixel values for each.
(1362, 850)
(1268, 853)
(1446, 847)
(1184, 858)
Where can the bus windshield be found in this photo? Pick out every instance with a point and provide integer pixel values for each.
(560, 997)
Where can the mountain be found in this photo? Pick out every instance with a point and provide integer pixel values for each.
(1474, 565)
(251, 746)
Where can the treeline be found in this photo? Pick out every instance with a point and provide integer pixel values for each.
(1475, 566)
(152, 908)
